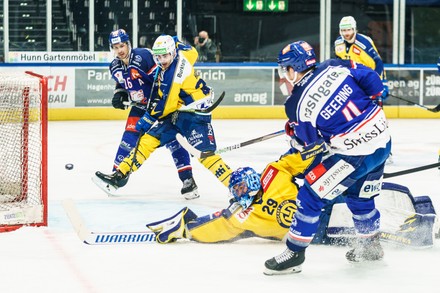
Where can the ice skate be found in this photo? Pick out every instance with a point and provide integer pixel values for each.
(366, 249)
(189, 189)
(288, 262)
(110, 183)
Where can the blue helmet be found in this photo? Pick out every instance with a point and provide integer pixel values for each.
(118, 36)
(244, 185)
(298, 55)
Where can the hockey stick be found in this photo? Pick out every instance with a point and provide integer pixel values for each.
(206, 110)
(102, 238)
(204, 154)
(435, 109)
(412, 170)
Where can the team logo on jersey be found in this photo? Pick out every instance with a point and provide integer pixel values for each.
(285, 212)
(134, 74)
(356, 50)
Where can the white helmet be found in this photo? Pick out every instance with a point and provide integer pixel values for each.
(347, 22)
(164, 44)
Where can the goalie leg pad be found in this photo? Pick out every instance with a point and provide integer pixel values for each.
(172, 228)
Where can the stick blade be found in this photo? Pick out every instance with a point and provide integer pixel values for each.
(436, 109)
(75, 219)
(187, 146)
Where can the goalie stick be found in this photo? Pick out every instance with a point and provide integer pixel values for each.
(204, 154)
(412, 170)
(103, 238)
(435, 109)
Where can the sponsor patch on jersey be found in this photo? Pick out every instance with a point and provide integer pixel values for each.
(315, 173)
(331, 179)
(268, 176)
(356, 50)
(244, 214)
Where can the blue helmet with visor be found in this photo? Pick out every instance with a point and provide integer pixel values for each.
(244, 185)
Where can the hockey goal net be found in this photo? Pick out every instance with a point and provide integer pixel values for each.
(23, 150)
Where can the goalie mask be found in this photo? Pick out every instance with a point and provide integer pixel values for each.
(244, 185)
(164, 50)
(299, 56)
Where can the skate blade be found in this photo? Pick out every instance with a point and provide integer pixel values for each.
(292, 270)
(107, 188)
(191, 195)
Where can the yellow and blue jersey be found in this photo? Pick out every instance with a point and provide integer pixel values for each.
(178, 85)
(361, 51)
(270, 214)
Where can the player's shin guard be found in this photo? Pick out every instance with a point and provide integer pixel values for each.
(127, 143)
(218, 167)
(147, 145)
(367, 246)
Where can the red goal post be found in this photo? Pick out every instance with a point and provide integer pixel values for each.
(23, 150)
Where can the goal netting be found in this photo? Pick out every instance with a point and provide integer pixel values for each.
(23, 150)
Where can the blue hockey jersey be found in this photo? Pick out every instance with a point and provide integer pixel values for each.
(334, 101)
(138, 77)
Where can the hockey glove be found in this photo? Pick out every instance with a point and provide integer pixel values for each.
(144, 124)
(119, 97)
(289, 129)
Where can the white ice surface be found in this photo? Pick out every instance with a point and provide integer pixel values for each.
(52, 259)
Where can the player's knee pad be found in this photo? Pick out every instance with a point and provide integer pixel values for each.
(218, 167)
(147, 145)
(180, 156)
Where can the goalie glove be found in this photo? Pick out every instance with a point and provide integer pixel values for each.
(119, 97)
(172, 228)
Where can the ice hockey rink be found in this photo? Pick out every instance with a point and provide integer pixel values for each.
(53, 259)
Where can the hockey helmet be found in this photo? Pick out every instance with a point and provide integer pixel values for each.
(118, 36)
(298, 55)
(244, 185)
(163, 45)
(347, 22)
